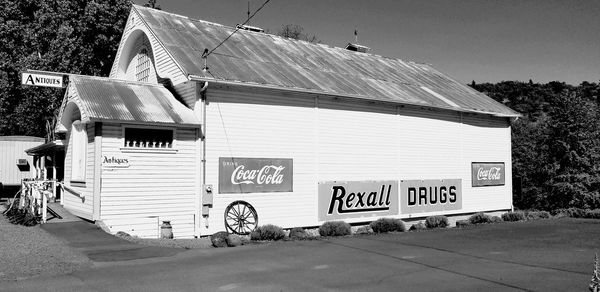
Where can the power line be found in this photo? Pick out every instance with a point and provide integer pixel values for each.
(237, 28)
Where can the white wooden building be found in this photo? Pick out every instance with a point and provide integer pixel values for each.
(292, 133)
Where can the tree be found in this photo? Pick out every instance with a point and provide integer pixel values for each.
(555, 150)
(79, 37)
(295, 31)
(152, 4)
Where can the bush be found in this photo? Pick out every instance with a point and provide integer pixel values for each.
(267, 232)
(592, 214)
(513, 216)
(438, 221)
(578, 213)
(298, 233)
(384, 225)
(335, 228)
(219, 239)
(364, 230)
(532, 215)
(418, 226)
(496, 219)
(463, 223)
(480, 218)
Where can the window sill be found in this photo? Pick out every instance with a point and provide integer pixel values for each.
(147, 150)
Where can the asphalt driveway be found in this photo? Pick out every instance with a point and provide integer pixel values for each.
(545, 255)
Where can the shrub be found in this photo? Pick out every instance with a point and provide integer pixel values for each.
(480, 218)
(592, 214)
(219, 239)
(384, 225)
(438, 221)
(364, 230)
(513, 216)
(298, 233)
(335, 228)
(532, 215)
(267, 232)
(418, 226)
(463, 223)
(496, 219)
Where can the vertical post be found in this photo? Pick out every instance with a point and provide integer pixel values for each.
(21, 198)
(44, 198)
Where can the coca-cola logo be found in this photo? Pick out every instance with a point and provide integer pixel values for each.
(487, 174)
(268, 174)
(255, 175)
(492, 173)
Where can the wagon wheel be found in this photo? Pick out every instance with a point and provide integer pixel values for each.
(241, 218)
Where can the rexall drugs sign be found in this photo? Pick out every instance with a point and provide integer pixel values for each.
(356, 199)
(432, 195)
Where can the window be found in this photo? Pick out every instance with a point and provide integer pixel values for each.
(148, 138)
(78, 151)
(142, 68)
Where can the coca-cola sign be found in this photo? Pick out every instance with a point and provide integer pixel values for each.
(255, 175)
(487, 174)
(356, 199)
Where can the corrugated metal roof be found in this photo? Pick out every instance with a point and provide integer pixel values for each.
(111, 99)
(254, 58)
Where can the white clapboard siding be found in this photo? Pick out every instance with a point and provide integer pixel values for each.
(155, 184)
(187, 92)
(12, 148)
(338, 139)
(143, 227)
(164, 64)
(81, 204)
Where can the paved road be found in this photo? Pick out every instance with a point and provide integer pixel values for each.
(546, 255)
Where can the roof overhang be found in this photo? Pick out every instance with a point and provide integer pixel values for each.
(333, 95)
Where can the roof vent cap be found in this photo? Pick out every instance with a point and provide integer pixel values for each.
(357, 48)
(250, 28)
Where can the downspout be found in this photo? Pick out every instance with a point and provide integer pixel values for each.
(203, 161)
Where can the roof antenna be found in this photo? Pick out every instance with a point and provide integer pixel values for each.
(248, 13)
(356, 36)
(205, 57)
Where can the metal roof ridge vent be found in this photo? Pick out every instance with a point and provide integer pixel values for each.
(357, 48)
(249, 27)
(441, 97)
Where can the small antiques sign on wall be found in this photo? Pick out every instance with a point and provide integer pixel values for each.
(487, 174)
(255, 175)
(115, 161)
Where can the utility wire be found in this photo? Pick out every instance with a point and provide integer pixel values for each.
(237, 28)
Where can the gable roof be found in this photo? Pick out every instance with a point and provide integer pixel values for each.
(260, 59)
(118, 100)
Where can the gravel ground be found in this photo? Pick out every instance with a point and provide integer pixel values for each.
(30, 251)
(190, 243)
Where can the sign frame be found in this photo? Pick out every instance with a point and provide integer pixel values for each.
(491, 183)
(250, 183)
(43, 79)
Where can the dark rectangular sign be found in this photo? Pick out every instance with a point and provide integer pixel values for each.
(487, 174)
(255, 175)
(356, 199)
(431, 195)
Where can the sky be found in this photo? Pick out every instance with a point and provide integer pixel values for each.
(480, 40)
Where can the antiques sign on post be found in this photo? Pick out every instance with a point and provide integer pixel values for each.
(45, 79)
